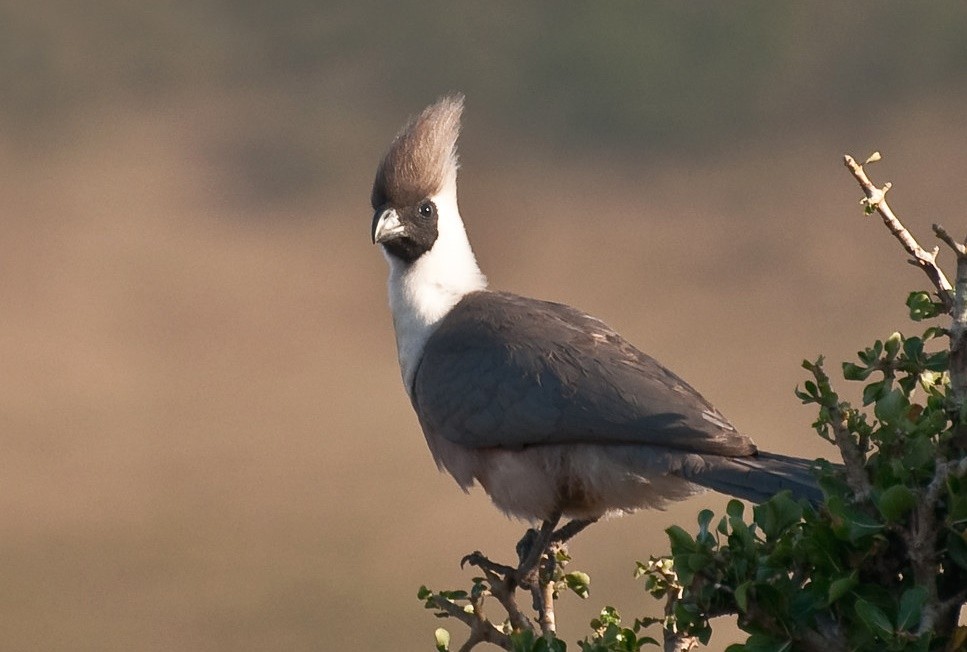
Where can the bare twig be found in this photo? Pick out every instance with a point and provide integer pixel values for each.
(876, 201)
(481, 629)
(959, 248)
(453, 609)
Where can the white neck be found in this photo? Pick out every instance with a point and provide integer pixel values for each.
(422, 293)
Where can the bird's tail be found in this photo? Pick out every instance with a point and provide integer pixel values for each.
(760, 477)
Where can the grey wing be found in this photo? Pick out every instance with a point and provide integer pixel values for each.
(506, 371)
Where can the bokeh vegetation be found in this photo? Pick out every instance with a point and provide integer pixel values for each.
(619, 75)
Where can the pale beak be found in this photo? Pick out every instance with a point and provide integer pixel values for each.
(387, 226)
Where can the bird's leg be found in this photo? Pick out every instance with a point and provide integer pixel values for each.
(543, 588)
(537, 554)
(566, 532)
(532, 548)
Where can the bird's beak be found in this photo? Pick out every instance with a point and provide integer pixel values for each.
(386, 226)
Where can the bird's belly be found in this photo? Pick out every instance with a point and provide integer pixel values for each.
(578, 480)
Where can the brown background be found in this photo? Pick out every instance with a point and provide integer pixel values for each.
(204, 443)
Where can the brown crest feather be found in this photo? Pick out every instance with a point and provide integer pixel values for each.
(421, 157)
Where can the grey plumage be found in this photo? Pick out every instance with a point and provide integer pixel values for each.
(548, 408)
(521, 372)
(518, 372)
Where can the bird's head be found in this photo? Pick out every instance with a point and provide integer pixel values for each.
(417, 223)
(414, 194)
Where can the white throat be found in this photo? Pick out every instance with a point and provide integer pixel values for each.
(422, 293)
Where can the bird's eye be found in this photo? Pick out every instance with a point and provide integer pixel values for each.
(426, 209)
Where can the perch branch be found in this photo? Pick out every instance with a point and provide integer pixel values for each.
(502, 587)
(543, 593)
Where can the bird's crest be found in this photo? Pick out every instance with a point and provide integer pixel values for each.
(422, 157)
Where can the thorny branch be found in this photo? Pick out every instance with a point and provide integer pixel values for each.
(876, 201)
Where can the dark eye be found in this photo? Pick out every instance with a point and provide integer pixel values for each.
(426, 209)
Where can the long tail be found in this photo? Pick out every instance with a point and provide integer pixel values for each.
(758, 478)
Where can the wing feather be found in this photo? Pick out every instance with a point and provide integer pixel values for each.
(507, 371)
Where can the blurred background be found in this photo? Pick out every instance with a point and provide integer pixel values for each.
(204, 441)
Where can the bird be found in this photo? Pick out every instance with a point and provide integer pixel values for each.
(547, 408)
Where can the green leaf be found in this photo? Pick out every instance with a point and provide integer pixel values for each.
(764, 643)
(875, 620)
(579, 582)
(698, 561)
(913, 348)
(841, 587)
(892, 406)
(542, 644)
(777, 514)
(957, 501)
(522, 641)
(892, 345)
(681, 541)
(735, 508)
(874, 391)
(608, 616)
(704, 518)
(922, 306)
(919, 453)
(423, 593)
(852, 371)
(911, 607)
(742, 595)
(811, 391)
(851, 523)
(455, 595)
(957, 548)
(442, 637)
(896, 502)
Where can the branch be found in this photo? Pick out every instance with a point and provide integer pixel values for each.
(854, 457)
(543, 592)
(958, 338)
(502, 587)
(876, 201)
(481, 629)
(920, 540)
(536, 573)
(674, 639)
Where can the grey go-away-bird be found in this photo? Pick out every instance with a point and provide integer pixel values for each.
(549, 409)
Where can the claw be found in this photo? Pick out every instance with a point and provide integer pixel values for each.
(477, 559)
(471, 559)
